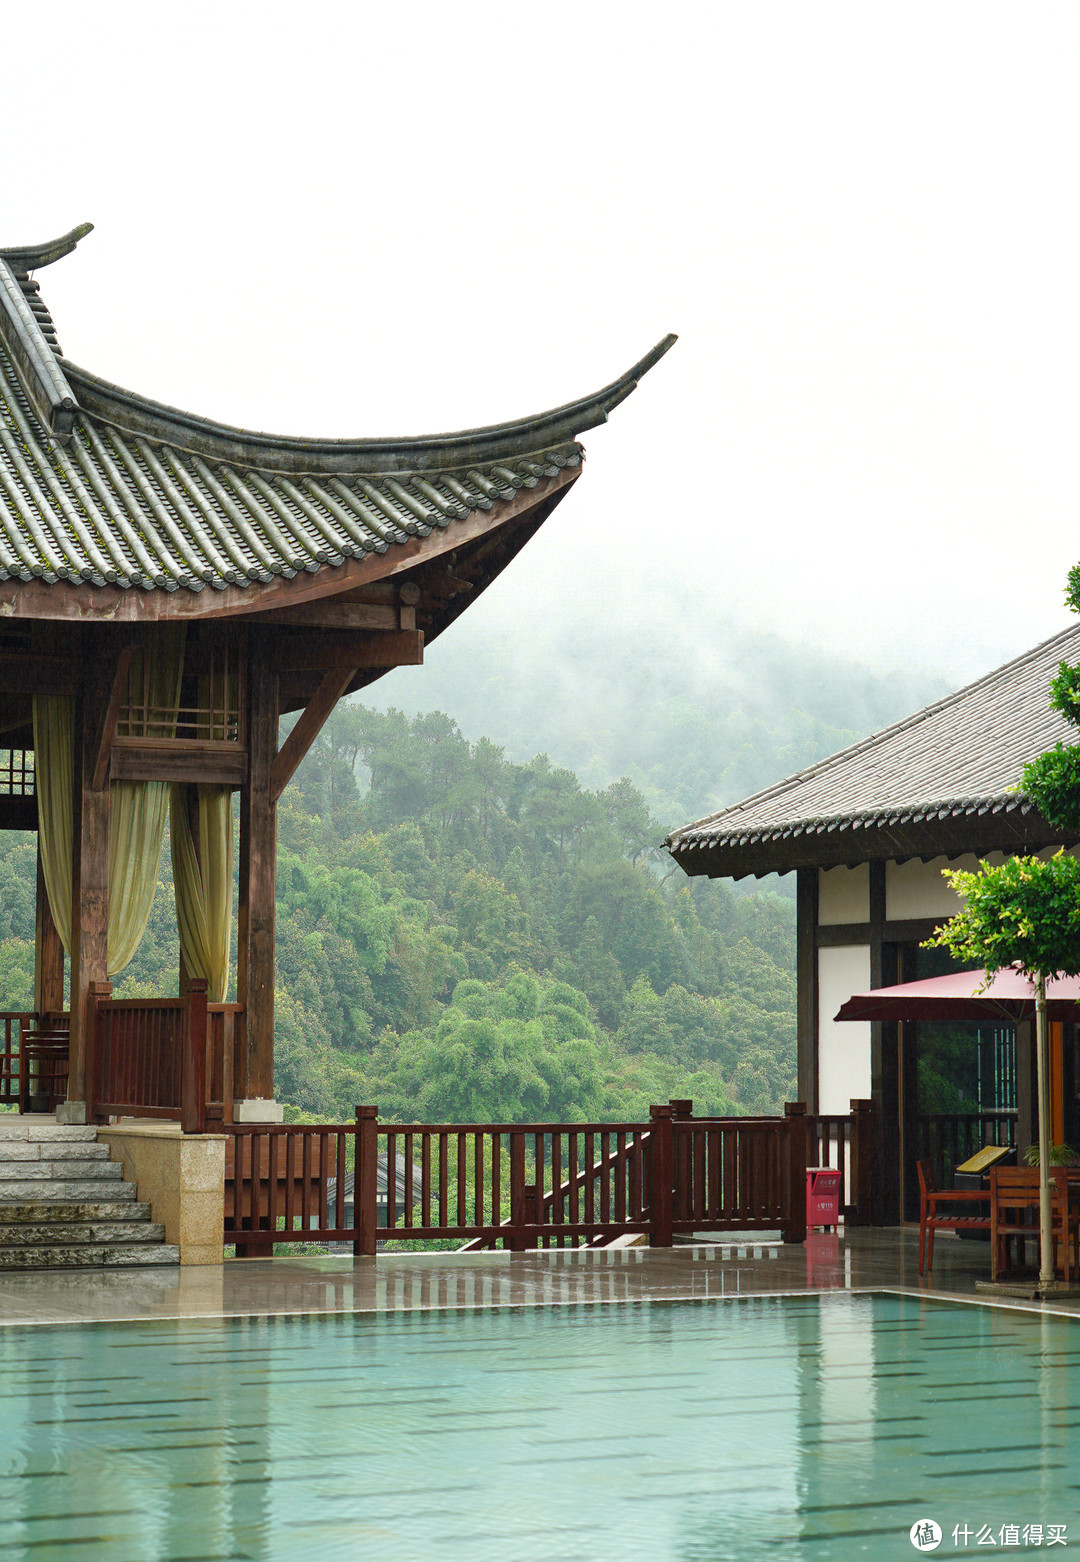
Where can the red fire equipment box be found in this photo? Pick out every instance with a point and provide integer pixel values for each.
(822, 1197)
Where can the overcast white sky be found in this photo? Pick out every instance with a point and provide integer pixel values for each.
(862, 219)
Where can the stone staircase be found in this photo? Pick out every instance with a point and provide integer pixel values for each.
(65, 1205)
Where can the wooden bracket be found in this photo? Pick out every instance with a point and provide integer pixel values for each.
(297, 651)
(110, 715)
(307, 729)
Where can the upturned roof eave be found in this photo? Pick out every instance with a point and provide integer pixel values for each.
(948, 828)
(132, 413)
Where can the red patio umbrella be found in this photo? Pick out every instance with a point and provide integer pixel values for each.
(966, 995)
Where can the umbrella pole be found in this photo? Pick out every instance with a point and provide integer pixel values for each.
(1042, 1068)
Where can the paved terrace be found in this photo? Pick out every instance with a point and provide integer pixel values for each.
(863, 1260)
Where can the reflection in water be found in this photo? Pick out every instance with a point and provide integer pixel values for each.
(818, 1426)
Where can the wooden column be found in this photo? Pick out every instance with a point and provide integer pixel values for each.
(884, 1069)
(258, 855)
(806, 903)
(48, 954)
(90, 878)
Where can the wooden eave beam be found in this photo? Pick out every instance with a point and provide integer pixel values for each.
(307, 729)
(331, 614)
(297, 651)
(178, 759)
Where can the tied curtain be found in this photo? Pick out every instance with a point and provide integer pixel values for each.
(137, 814)
(202, 876)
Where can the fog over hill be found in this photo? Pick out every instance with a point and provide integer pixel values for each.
(698, 712)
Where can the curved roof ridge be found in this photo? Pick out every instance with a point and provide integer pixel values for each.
(133, 413)
(31, 257)
(733, 810)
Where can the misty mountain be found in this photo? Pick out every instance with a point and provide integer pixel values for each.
(696, 714)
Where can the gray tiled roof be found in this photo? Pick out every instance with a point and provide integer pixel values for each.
(98, 485)
(922, 782)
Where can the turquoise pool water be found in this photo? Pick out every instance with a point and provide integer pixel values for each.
(818, 1427)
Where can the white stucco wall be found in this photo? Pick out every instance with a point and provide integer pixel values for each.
(843, 895)
(844, 1048)
(917, 889)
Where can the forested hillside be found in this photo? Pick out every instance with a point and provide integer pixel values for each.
(461, 936)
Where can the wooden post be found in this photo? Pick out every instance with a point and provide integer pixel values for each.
(193, 1060)
(94, 1060)
(90, 877)
(861, 1161)
(48, 955)
(662, 1173)
(885, 1088)
(365, 1181)
(258, 852)
(795, 1214)
(806, 1003)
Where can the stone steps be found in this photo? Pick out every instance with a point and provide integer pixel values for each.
(64, 1203)
(90, 1255)
(76, 1188)
(17, 1152)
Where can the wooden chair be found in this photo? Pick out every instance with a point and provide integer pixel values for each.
(1014, 1217)
(931, 1219)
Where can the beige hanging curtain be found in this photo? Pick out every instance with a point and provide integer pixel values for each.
(54, 782)
(203, 881)
(137, 809)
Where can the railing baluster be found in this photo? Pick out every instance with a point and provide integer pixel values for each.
(589, 1162)
(478, 1179)
(306, 1148)
(557, 1211)
(461, 1194)
(272, 1142)
(425, 1178)
(340, 1175)
(391, 1181)
(290, 1178)
(496, 1179)
(444, 1179)
(407, 1167)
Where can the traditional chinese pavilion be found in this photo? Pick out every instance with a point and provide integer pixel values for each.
(169, 588)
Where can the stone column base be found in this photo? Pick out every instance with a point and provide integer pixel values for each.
(258, 1110)
(71, 1113)
(182, 1178)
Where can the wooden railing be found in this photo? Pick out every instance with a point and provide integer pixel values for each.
(15, 1021)
(33, 1059)
(846, 1144)
(739, 1174)
(148, 1057)
(521, 1185)
(944, 1140)
(225, 1042)
(277, 1179)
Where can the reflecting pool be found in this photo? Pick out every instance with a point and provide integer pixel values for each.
(816, 1426)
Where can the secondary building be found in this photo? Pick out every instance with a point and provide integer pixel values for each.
(868, 832)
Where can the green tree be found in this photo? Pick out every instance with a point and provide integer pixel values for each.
(1023, 913)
